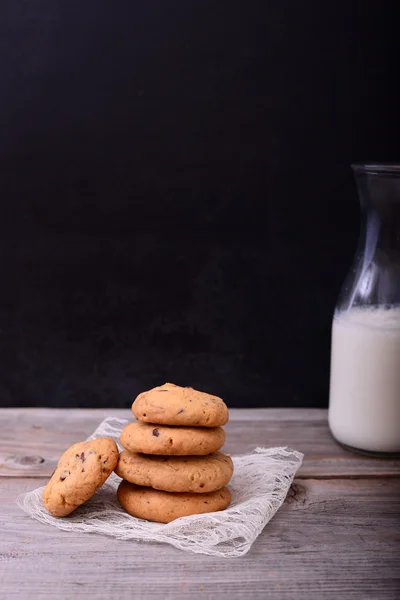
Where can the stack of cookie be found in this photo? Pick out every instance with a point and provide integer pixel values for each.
(171, 466)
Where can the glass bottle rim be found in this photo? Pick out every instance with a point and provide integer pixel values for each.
(377, 168)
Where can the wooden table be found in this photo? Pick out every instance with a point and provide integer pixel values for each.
(336, 536)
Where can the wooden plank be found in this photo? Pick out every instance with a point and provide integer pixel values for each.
(33, 439)
(331, 539)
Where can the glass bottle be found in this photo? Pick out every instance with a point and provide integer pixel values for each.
(364, 400)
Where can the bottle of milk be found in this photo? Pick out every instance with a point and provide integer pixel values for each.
(364, 402)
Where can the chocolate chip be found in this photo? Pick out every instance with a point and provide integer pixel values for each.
(65, 474)
(162, 390)
(202, 485)
(82, 457)
(181, 411)
(205, 502)
(156, 433)
(83, 470)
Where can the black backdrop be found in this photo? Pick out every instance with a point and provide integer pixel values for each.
(176, 197)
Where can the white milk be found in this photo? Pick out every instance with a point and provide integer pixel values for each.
(364, 405)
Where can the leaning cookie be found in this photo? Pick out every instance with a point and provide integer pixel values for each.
(172, 440)
(81, 470)
(164, 507)
(171, 404)
(196, 474)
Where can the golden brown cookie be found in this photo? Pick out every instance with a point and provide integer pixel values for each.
(171, 440)
(197, 474)
(163, 507)
(171, 404)
(81, 470)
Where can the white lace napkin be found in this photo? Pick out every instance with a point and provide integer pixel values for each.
(259, 486)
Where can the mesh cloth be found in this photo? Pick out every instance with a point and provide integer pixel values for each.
(259, 486)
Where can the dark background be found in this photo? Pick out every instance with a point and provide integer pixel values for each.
(176, 198)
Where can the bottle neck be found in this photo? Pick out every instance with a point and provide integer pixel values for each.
(374, 279)
(382, 228)
(380, 206)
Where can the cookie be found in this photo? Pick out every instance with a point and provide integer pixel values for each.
(171, 404)
(172, 440)
(81, 470)
(197, 474)
(163, 507)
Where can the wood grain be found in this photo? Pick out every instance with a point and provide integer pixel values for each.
(32, 440)
(336, 536)
(331, 539)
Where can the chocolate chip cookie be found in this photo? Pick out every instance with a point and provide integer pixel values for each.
(171, 440)
(171, 404)
(81, 470)
(163, 507)
(197, 474)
